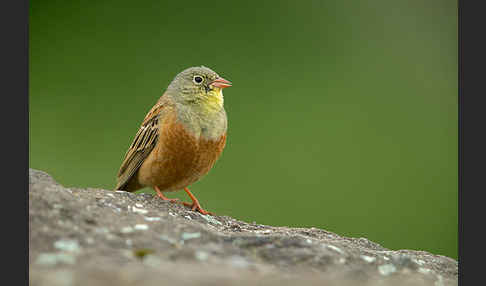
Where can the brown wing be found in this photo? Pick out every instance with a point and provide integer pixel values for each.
(143, 143)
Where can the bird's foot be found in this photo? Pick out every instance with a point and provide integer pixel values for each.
(195, 206)
(161, 195)
(169, 200)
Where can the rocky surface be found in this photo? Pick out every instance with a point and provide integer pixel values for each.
(101, 237)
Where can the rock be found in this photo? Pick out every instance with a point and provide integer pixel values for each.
(102, 237)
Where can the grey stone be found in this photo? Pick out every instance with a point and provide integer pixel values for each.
(88, 236)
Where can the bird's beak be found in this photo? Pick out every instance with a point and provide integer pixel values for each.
(220, 82)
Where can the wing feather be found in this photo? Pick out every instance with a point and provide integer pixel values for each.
(143, 143)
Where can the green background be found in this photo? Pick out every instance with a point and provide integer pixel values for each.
(343, 114)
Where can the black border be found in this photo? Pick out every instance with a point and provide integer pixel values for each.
(14, 65)
(472, 145)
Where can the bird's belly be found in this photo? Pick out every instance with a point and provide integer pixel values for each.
(180, 159)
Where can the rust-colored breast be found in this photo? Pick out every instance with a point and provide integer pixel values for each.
(179, 159)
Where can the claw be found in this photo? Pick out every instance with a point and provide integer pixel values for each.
(195, 206)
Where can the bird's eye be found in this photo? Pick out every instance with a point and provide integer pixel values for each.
(197, 79)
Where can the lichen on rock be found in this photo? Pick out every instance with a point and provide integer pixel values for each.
(101, 237)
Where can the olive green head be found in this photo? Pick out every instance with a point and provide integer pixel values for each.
(200, 86)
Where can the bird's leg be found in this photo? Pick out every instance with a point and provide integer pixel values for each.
(195, 206)
(159, 193)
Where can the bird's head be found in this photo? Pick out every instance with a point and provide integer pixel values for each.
(199, 86)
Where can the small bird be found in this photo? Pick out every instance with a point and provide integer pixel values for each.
(180, 138)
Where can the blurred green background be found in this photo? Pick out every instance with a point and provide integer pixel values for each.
(343, 114)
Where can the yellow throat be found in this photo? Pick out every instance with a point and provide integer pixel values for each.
(212, 101)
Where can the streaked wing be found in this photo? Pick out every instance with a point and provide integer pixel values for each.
(143, 143)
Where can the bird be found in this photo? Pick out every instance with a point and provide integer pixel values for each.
(180, 139)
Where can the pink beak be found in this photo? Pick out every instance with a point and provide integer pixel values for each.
(220, 82)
